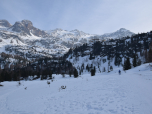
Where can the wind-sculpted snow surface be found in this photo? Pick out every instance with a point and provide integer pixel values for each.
(105, 93)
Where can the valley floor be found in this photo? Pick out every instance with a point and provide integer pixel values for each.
(105, 93)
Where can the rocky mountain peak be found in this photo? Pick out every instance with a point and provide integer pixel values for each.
(28, 24)
(26, 28)
(58, 29)
(122, 30)
(18, 27)
(5, 23)
(75, 30)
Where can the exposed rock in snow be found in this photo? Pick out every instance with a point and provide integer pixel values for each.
(5, 23)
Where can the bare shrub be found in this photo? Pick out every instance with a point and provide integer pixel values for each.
(48, 83)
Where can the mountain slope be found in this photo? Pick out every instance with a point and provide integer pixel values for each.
(45, 43)
(122, 32)
(110, 54)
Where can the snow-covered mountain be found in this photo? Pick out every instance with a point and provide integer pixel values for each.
(25, 27)
(69, 38)
(64, 34)
(24, 38)
(122, 32)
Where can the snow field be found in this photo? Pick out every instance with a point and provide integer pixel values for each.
(105, 93)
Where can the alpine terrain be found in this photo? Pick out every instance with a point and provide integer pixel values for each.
(25, 40)
(73, 72)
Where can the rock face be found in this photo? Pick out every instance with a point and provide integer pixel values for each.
(5, 23)
(26, 28)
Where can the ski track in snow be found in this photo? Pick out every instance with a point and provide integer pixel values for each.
(129, 93)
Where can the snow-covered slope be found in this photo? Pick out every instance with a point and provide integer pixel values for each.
(70, 38)
(68, 34)
(105, 93)
(122, 32)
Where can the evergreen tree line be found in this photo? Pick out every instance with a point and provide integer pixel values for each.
(42, 68)
(135, 47)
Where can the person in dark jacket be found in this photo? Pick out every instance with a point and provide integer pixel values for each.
(119, 72)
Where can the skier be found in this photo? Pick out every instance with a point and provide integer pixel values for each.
(119, 72)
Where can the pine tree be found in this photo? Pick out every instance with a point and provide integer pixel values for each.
(90, 56)
(118, 60)
(116, 63)
(75, 73)
(111, 68)
(63, 75)
(150, 55)
(108, 65)
(93, 71)
(41, 77)
(79, 72)
(87, 68)
(135, 61)
(146, 58)
(38, 74)
(104, 69)
(138, 62)
(70, 73)
(7, 76)
(0, 78)
(124, 65)
(50, 74)
(15, 76)
(127, 64)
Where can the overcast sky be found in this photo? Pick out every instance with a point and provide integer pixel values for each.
(90, 16)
